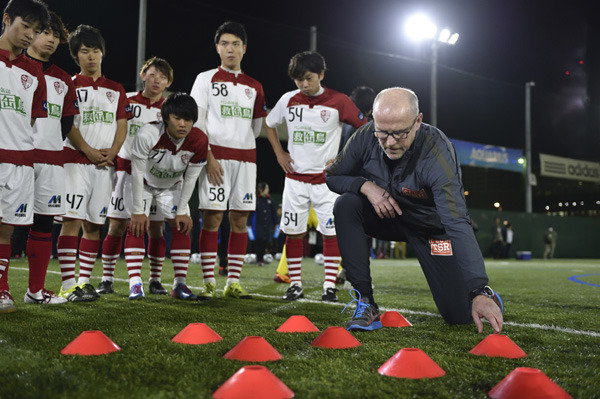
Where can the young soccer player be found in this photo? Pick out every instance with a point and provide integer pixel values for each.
(104, 110)
(23, 91)
(157, 76)
(231, 107)
(48, 136)
(314, 116)
(160, 155)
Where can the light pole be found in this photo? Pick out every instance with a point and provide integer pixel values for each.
(419, 28)
(528, 195)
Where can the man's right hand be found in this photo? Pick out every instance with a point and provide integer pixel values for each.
(285, 161)
(139, 224)
(214, 170)
(95, 156)
(383, 203)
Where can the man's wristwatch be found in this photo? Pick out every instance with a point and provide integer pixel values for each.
(484, 290)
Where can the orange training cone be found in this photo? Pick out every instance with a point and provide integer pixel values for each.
(526, 382)
(411, 363)
(391, 318)
(253, 349)
(91, 342)
(335, 338)
(253, 382)
(197, 334)
(498, 345)
(297, 323)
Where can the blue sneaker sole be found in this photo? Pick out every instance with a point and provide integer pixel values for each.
(376, 325)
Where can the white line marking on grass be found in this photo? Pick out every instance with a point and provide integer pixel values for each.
(400, 310)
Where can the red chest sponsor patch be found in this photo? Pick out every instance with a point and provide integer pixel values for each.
(440, 247)
(421, 194)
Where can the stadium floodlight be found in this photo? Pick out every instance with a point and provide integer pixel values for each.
(419, 27)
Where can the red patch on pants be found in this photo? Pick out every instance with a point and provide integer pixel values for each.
(440, 247)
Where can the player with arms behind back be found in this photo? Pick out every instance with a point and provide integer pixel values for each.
(157, 75)
(231, 107)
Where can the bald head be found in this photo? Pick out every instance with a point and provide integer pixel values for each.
(396, 102)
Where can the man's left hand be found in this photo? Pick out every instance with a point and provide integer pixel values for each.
(184, 223)
(483, 306)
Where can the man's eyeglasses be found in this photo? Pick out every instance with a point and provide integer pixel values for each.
(397, 135)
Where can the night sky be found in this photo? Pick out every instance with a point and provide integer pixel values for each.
(481, 80)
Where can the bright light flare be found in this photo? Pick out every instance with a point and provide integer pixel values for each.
(419, 27)
(453, 39)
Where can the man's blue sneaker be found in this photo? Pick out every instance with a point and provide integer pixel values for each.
(365, 317)
(181, 291)
(136, 292)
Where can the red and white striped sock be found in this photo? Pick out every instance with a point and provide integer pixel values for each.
(156, 255)
(39, 250)
(66, 248)
(331, 253)
(134, 257)
(209, 244)
(180, 256)
(111, 249)
(236, 252)
(294, 248)
(4, 263)
(88, 251)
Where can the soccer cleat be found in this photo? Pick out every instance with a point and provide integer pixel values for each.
(207, 292)
(45, 297)
(222, 271)
(136, 292)
(76, 294)
(365, 316)
(282, 278)
(156, 288)
(293, 292)
(7, 304)
(181, 291)
(329, 295)
(235, 290)
(105, 287)
(88, 288)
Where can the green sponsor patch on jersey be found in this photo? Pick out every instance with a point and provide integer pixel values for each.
(165, 173)
(235, 111)
(309, 137)
(10, 101)
(54, 111)
(91, 117)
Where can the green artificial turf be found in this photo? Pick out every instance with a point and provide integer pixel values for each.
(554, 320)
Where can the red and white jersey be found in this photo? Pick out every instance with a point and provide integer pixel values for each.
(62, 101)
(166, 160)
(101, 104)
(143, 112)
(232, 101)
(314, 126)
(22, 97)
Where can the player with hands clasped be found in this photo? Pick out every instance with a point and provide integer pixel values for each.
(399, 180)
(166, 160)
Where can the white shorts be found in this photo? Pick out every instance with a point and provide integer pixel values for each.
(16, 194)
(297, 198)
(121, 200)
(238, 188)
(161, 204)
(49, 189)
(88, 190)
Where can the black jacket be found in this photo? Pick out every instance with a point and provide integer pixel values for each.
(426, 183)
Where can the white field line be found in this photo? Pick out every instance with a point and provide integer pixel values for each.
(399, 310)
